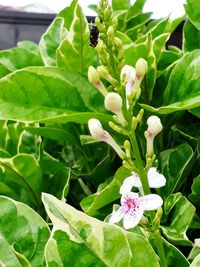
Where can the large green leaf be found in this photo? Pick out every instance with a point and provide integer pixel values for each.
(191, 37)
(60, 94)
(179, 224)
(92, 242)
(24, 228)
(174, 164)
(174, 257)
(22, 174)
(74, 53)
(18, 58)
(182, 92)
(192, 8)
(105, 193)
(51, 40)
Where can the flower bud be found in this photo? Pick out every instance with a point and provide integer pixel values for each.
(113, 102)
(129, 73)
(118, 42)
(110, 33)
(100, 134)
(94, 79)
(154, 126)
(141, 67)
(96, 129)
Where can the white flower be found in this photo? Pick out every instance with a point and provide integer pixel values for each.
(100, 134)
(133, 207)
(155, 180)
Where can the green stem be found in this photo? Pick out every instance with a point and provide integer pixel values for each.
(140, 166)
(160, 248)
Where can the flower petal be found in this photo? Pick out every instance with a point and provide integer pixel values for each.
(129, 182)
(151, 202)
(132, 218)
(117, 216)
(155, 179)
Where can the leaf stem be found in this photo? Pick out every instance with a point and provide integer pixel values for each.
(160, 249)
(142, 173)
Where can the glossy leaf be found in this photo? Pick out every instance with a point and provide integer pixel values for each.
(194, 196)
(179, 224)
(174, 164)
(196, 262)
(120, 4)
(174, 257)
(22, 175)
(18, 58)
(105, 194)
(135, 9)
(20, 225)
(182, 92)
(191, 37)
(68, 14)
(74, 53)
(192, 8)
(61, 93)
(51, 40)
(91, 241)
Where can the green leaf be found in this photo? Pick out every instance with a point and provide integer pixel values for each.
(135, 9)
(196, 262)
(105, 195)
(192, 8)
(68, 14)
(61, 94)
(29, 46)
(174, 257)
(120, 4)
(23, 175)
(191, 37)
(175, 163)
(20, 225)
(179, 224)
(74, 53)
(194, 196)
(18, 58)
(51, 40)
(53, 132)
(182, 92)
(91, 241)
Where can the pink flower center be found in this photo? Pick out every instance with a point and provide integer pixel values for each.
(130, 203)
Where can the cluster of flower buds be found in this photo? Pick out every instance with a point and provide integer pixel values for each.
(133, 78)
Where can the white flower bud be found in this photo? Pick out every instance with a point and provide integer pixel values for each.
(154, 125)
(96, 129)
(129, 73)
(113, 102)
(154, 128)
(100, 134)
(141, 67)
(94, 79)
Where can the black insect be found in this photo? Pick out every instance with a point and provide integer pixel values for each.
(94, 33)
